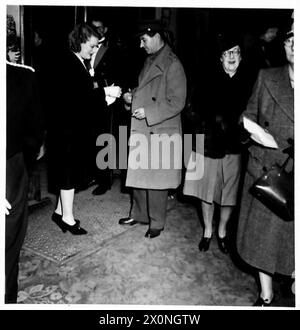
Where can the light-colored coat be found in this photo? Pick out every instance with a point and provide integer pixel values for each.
(264, 240)
(162, 93)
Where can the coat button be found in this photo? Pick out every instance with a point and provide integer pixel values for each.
(264, 169)
(153, 98)
(266, 124)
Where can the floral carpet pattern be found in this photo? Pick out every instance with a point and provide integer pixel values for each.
(99, 216)
(125, 268)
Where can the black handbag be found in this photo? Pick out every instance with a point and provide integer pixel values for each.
(275, 189)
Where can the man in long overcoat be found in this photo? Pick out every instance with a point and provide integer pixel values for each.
(155, 105)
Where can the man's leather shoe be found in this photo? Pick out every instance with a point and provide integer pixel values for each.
(204, 243)
(223, 244)
(152, 233)
(100, 190)
(127, 221)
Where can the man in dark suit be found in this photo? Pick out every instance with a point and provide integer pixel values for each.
(23, 139)
(104, 68)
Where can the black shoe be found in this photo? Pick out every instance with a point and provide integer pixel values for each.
(204, 243)
(223, 244)
(260, 302)
(74, 229)
(56, 217)
(100, 190)
(151, 233)
(127, 221)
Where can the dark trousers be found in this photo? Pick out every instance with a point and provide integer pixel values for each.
(104, 177)
(15, 222)
(150, 206)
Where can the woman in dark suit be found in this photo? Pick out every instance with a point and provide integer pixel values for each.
(264, 240)
(71, 138)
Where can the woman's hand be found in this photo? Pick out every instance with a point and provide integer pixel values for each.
(113, 91)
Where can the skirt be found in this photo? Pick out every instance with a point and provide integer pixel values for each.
(219, 182)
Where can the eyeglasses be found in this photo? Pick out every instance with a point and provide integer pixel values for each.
(289, 42)
(231, 52)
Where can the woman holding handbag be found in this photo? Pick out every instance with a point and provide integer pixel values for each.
(264, 240)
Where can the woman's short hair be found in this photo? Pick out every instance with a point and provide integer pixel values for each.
(81, 33)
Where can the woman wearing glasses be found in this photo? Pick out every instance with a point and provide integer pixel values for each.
(228, 90)
(264, 240)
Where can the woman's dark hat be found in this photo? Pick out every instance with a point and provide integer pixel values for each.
(228, 40)
(149, 27)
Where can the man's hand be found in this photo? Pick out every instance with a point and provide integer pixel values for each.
(14, 56)
(139, 113)
(127, 97)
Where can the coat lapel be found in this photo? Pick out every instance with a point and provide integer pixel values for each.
(100, 53)
(155, 69)
(280, 87)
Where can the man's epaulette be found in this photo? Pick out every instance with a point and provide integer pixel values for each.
(21, 66)
(173, 56)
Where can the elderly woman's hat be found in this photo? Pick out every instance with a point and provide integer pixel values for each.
(149, 27)
(228, 40)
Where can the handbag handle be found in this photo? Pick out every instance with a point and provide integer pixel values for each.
(283, 166)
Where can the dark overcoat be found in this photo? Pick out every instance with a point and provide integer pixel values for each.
(24, 135)
(162, 93)
(264, 240)
(73, 127)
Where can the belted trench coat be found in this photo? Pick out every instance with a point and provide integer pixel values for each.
(162, 93)
(264, 240)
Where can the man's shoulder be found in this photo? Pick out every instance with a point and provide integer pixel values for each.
(170, 57)
(173, 57)
(273, 72)
(170, 53)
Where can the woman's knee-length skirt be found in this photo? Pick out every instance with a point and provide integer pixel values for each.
(219, 182)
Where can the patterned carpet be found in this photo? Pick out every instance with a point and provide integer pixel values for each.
(98, 216)
(117, 265)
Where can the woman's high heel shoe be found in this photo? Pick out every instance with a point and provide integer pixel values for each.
(224, 244)
(260, 302)
(204, 244)
(74, 229)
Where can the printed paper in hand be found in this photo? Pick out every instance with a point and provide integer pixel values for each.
(259, 135)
